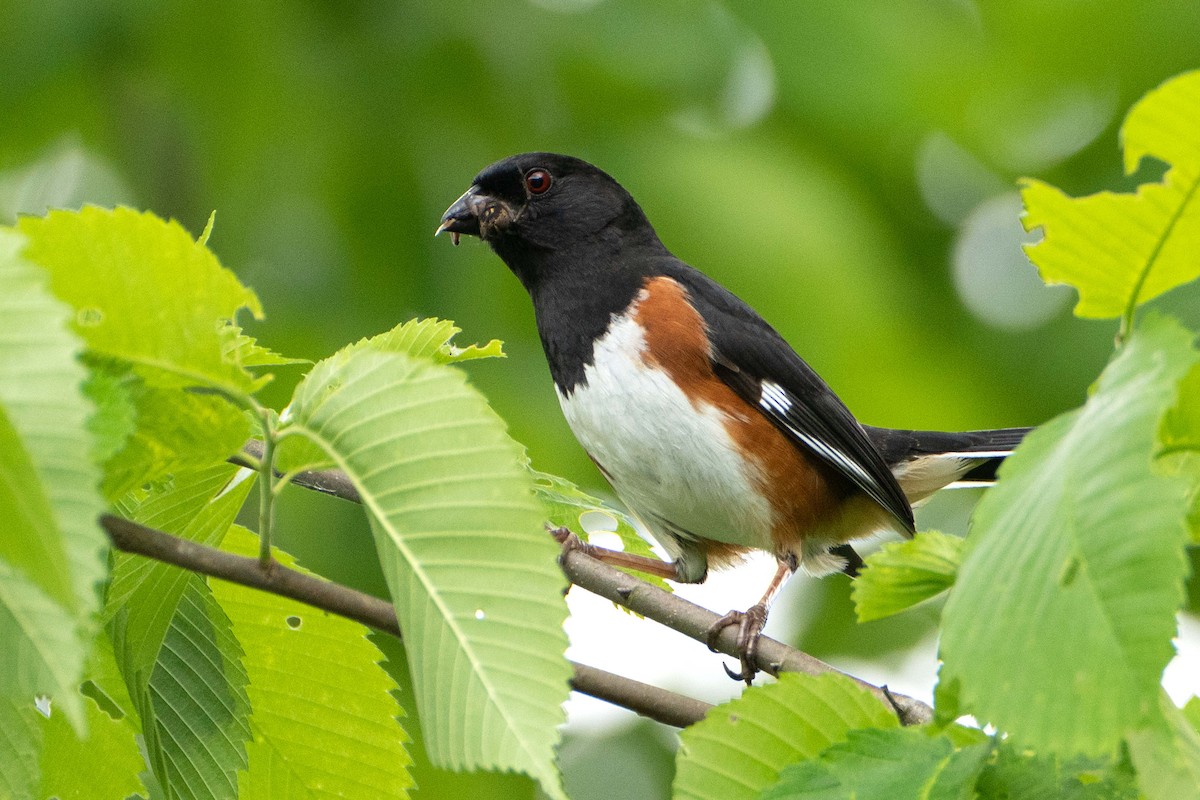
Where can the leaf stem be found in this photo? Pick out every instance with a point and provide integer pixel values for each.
(266, 490)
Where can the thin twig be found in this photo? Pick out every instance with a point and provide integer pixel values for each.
(667, 609)
(650, 701)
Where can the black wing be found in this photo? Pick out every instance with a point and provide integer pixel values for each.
(756, 362)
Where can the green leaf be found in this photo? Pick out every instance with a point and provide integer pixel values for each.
(738, 749)
(898, 764)
(1074, 570)
(471, 570)
(902, 574)
(106, 763)
(567, 506)
(245, 351)
(1166, 754)
(199, 506)
(154, 309)
(1191, 712)
(194, 707)
(324, 718)
(1179, 442)
(1017, 775)
(174, 644)
(20, 744)
(144, 292)
(51, 550)
(1122, 250)
(430, 338)
(174, 431)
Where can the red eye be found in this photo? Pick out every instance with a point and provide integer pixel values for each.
(537, 181)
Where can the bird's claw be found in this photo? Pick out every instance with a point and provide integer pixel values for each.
(570, 541)
(750, 624)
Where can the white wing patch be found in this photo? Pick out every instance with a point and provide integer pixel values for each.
(776, 401)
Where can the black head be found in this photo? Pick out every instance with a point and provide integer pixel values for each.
(541, 212)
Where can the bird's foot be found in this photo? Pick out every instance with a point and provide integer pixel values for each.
(750, 624)
(569, 541)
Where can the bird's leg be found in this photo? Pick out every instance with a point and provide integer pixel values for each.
(617, 558)
(750, 624)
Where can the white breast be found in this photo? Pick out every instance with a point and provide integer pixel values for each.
(672, 463)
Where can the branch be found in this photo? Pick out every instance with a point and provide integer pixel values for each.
(694, 621)
(663, 607)
(649, 701)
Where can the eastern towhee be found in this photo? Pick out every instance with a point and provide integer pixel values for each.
(717, 436)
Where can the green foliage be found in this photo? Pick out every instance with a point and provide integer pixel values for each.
(1179, 442)
(305, 665)
(50, 550)
(430, 338)
(1015, 775)
(740, 747)
(898, 764)
(1062, 599)
(1166, 754)
(106, 762)
(1122, 250)
(902, 574)
(470, 568)
(1076, 559)
(105, 264)
(175, 645)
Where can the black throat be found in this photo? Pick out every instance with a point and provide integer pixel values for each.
(577, 292)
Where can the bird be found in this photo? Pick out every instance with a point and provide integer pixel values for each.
(717, 436)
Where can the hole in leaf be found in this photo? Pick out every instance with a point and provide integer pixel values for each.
(293, 622)
(101, 699)
(41, 703)
(479, 614)
(89, 317)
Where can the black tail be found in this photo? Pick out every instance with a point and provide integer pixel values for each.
(925, 461)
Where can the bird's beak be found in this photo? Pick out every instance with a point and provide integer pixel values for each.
(475, 214)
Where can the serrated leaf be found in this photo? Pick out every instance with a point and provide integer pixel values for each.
(173, 432)
(173, 642)
(738, 749)
(245, 351)
(1016, 775)
(1122, 250)
(902, 574)
(567, 506)
(194, 707)
(471, 570)
(430, 338)
(51, 552)
(898, 764)
(1166, 754)
(1179, 442)
(1074, 570)
(324, 717)
(153, 308)
(106, 263)
(199, 506)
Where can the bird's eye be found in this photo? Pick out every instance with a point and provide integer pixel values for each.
(537, 181)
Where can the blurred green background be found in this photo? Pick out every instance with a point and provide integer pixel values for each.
(848, 168)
